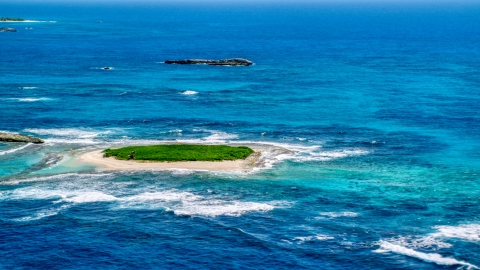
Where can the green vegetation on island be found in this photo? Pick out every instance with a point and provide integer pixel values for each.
(180, 152)
(7, 19)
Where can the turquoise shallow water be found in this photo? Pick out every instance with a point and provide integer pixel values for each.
(377, 104)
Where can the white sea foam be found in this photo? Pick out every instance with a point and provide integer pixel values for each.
(15, 149)
(27, 87)
(184, 171)
(42, 214)
(322, 237)
(175, 131)
(69, 135)
(59, 195)
(338, 214)
(215, 137)
(428, 257)
(318, 237)
(69, 141)
(302, 153)
(189, 93)
(435, 240)
(220, 136)
(221, 208)
(129, 141)
(292, 147)
(168, 195)
(428, 241)
(65, 132)
(179, 202)
(57, 177)
(270, 157)
(31, 193)
(329, 155)
(469, 232)
(30, 99)
(89, 197)
(186, 203)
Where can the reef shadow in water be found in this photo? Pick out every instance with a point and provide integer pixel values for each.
(50, 159)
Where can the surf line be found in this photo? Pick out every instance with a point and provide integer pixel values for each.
(15, 149)
(428, 257)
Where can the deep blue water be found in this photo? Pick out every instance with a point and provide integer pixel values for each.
(378, 104)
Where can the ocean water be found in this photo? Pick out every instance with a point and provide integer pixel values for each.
(378, 104)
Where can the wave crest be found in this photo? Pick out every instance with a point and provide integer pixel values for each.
(188, 93)
(31, 99)
(318, 237)
(186, 203)
(428, 257)
(89, 197)
(15, 149)
(469, 232)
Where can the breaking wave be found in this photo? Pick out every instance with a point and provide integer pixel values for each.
(221, 208)
(338, 214)
(300, 153)
(89, 197)
(189, 93)
(469, 232)
(69, 135)
(15, 149)
(214, 137)
(65, 132)
(328, 155)
(42, 214)
(318, 237)
(58, 177)
(428, 257)
(425, 242)
(434, 241)
(179, 202)
(30, 99)
(186, 203)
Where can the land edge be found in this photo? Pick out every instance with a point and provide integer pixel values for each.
(212, 62)
(19, 138)
(25, 21)
(111, 164)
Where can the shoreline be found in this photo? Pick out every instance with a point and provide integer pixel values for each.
(112, 164)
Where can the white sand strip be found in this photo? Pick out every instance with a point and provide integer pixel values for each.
(110, 163)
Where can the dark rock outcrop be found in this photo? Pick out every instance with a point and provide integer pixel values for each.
(9, 137)
(7, 29)
(223, 62)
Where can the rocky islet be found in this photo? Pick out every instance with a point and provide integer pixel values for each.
(11, 137)
(8, 29)
(222, 62)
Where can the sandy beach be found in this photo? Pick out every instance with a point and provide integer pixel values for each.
(110, 163)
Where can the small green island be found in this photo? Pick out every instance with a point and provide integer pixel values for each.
(7, 19)
(179, 152)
